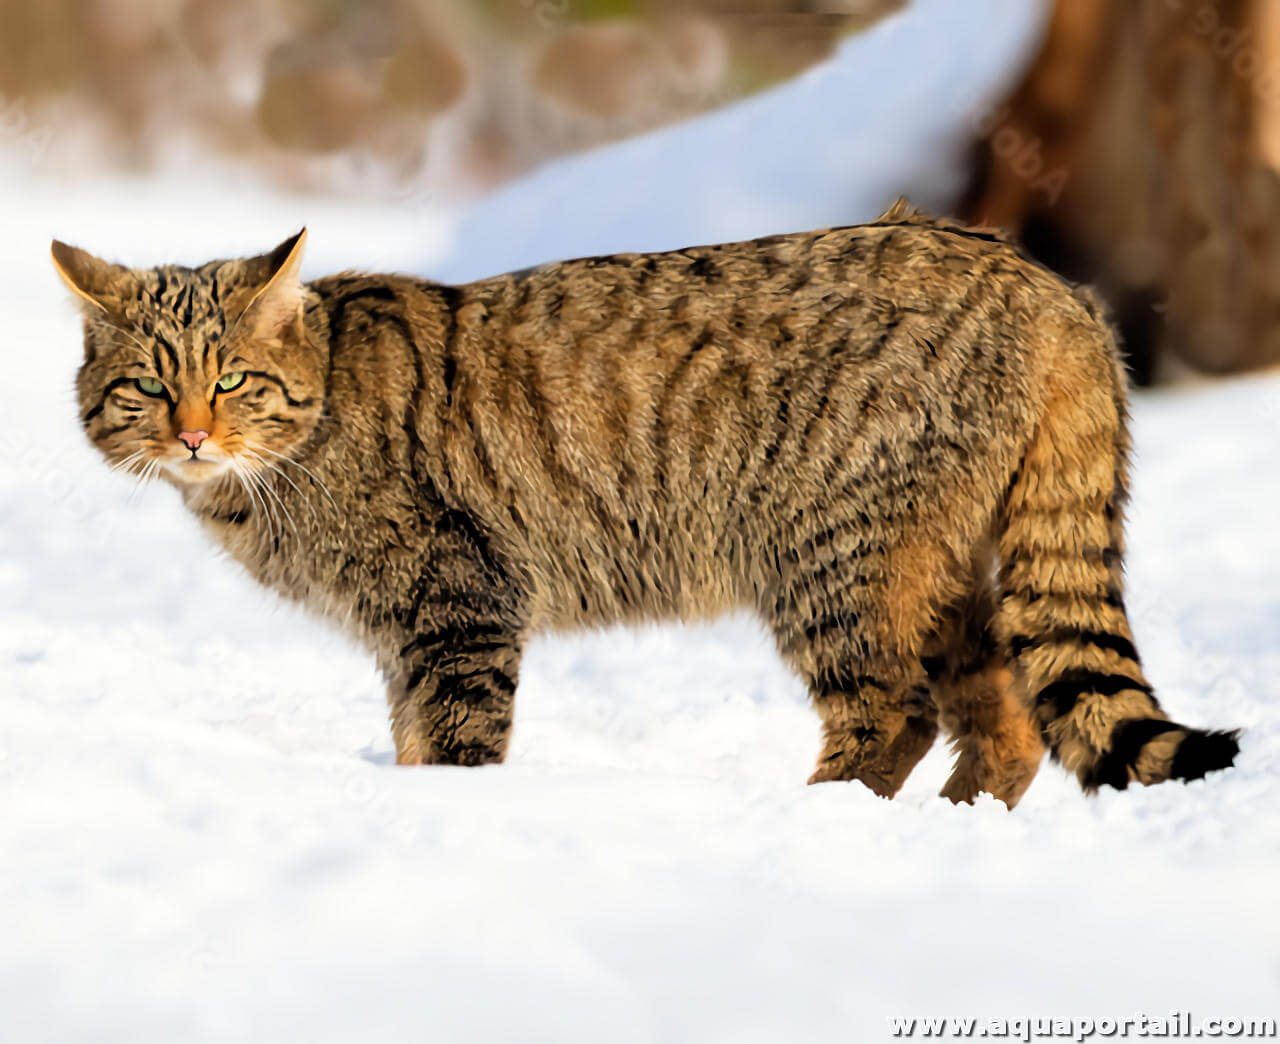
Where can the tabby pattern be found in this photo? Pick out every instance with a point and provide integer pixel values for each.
(902, 444)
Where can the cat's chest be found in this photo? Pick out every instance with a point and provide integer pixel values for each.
(251, 542)
(305, 551)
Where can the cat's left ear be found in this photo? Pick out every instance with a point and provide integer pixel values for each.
(274, 294)
(104, 287)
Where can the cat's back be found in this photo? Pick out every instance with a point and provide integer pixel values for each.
(771, 299)
(626, 424)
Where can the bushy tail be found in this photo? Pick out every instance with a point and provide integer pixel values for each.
(1062, 613)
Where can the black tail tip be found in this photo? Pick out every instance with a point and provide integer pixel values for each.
(1200, 753)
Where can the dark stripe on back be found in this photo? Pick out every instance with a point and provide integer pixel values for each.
(453, 301)
(963, 233)
(338, 307)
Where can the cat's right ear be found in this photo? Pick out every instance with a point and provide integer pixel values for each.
(274, 295)
(100, 285)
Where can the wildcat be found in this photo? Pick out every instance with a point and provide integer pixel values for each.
(902, 444)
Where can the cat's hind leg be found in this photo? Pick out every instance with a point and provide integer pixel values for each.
(997, 744)
(876, 728)
(853, 622)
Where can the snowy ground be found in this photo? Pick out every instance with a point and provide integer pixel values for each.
(202, 836)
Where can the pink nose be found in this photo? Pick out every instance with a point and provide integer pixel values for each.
(193, 440)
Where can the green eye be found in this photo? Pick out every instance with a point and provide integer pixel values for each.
(230, 382)
(150, 386)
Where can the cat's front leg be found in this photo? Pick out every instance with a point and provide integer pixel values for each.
(454, 699)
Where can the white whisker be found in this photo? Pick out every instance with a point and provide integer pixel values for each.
(275, 469)
(253, 497)
(306, 471)
(269, 492)
(144, 475)
(127, 463)
(274, 529)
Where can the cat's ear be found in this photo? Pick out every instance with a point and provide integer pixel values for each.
(274, 296)
(100, 285)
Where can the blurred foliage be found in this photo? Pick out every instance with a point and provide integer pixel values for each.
(386, 92)
(598, 9)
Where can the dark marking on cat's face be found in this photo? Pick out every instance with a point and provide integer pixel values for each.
(197, 374)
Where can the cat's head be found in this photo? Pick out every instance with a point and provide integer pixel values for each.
(196, 373)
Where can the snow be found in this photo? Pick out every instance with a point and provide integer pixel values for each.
(203, 836)
(899, 106)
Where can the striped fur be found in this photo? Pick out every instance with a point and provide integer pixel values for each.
(901, 444)
(1062, 615)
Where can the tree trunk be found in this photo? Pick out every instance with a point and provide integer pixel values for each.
(1135, 156)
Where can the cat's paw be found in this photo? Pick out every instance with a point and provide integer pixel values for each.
(415, 750)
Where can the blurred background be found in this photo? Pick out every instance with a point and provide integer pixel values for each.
(1130, 144)
(372, 94)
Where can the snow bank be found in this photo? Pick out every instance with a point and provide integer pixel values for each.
(890, 115)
